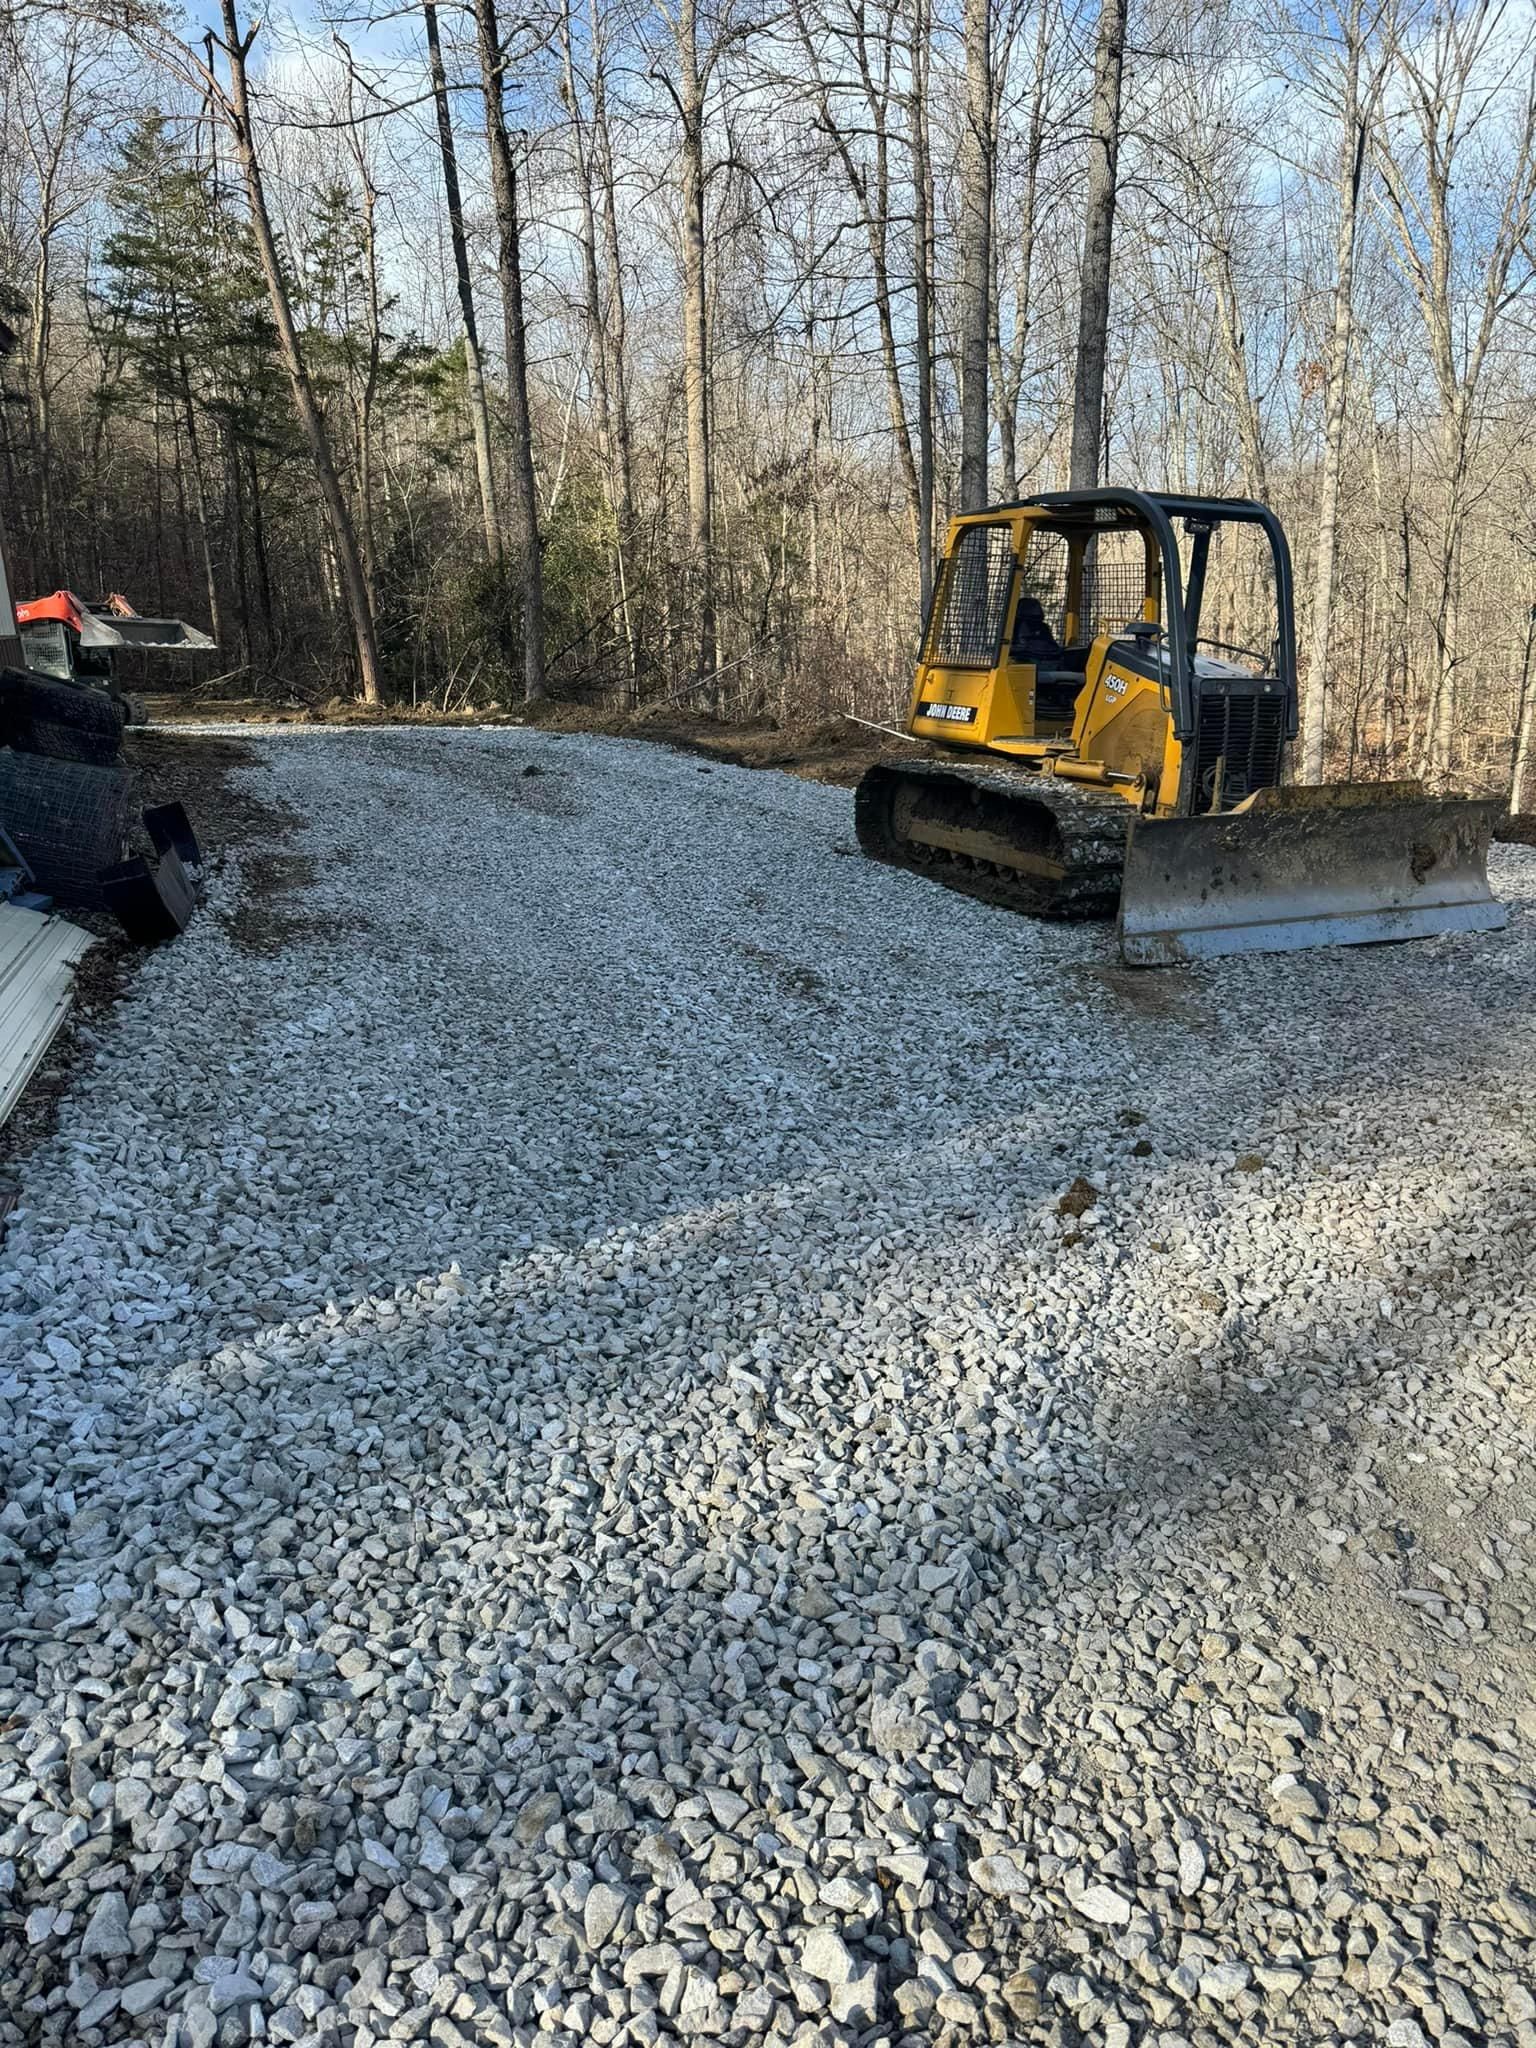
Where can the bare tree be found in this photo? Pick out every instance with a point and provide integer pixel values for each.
(1459, 80)
(1098, 242)
(1356, 113)
(236, 108)
(689, 90)
(975, 254)
(49, 133)
(526, 536)
(474, 374)
(871, 58)
(605, 322)
(918, 55)
(1008, 364)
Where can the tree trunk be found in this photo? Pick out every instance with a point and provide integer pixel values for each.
(474, 375)
(10, 640)
(366, 398)
(1336, 398)
(1446, 622)
(525, 498)
(199, 494)
(922, 282)
(37, 383)
(259, 549)
(696, 338)
(975, 254)
(871, 193)
(1245, 406)
(1098, 238)
(617, 324)
(354, 583)
(598, 343)
(1010, 367)
(1522, 781)
(234, 513)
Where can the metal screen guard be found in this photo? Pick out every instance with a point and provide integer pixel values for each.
(1158, 511)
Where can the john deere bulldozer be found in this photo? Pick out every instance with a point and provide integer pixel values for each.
(1105, 754)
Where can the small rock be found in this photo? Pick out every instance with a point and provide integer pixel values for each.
(853, 2003)
(143, 1994)
(96, 2011)
(106, 1935)
(1405, 2033)
(1000, 1877)
(824, 1954)
(82, 1603)
(601, 1913)
(1225, 1981)
(238, 1988)
(1101, 1903)
(1292, 1796)
(537, 1817)
(659, 1959)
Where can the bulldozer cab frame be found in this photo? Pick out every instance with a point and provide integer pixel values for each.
(986, 618)
(1181, 592)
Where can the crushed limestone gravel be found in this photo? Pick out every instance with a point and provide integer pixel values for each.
(649, 1431)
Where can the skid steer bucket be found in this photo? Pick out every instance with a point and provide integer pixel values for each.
(1350, 864)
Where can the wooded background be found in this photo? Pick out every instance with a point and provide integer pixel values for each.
(637, 349)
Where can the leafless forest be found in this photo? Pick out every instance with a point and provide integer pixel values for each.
(637, 349)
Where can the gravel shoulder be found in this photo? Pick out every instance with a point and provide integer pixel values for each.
(198, 770)
(575, 1471)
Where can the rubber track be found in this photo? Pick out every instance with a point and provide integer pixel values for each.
(1091, 831)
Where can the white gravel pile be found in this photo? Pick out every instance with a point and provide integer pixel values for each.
(567, 1478)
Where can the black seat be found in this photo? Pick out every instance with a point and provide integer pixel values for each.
(1056, 693)
(1033, 639)
(1058, 669)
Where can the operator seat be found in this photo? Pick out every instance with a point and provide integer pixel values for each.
(1057, 682)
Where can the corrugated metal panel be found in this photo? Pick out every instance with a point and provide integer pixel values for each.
(38, 956)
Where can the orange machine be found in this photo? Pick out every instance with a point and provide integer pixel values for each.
(64, 637)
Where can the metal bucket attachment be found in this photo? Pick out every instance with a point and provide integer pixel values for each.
(1347, 864)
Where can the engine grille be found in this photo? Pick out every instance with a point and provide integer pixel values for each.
(1247, 730)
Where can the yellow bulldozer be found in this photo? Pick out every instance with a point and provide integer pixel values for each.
(1132, 762)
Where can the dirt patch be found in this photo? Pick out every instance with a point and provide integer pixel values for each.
(791, 976)
(835, 750)
(1164, 998)
(228, 818)
(269, 917)
(199, 770)
(518, 784)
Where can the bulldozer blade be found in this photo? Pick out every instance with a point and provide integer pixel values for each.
(1347, 865)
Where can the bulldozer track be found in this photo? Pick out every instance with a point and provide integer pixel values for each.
(1012, 838)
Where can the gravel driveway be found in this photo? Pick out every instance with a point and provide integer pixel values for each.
(625, 1426)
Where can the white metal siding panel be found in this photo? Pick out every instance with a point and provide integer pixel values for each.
(38, 956)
